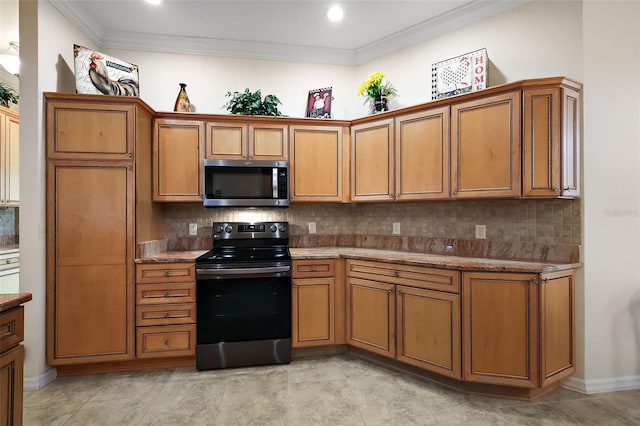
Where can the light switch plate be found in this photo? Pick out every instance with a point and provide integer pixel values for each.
(396, 228)
(193, 229)
(481, 232)
(312, 227)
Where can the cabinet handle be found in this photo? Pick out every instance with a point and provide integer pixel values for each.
(166, 342)
(166, 314)
(294, 285)
(166, 273)
(535, 280)
(166, 294)
(568, 188)
(389, 291)
(556, 189)
(129, 154)
(391, 196)
(313, 268)
(454, 192)
(396, 274)
(129, 166)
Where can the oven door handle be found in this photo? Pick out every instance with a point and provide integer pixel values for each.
(276, 271)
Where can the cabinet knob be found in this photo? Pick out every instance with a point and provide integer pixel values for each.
(556, 189)
(166, 342)
(166, 314)
(166, 273)
(313, 268)
(454, 192)
(396, 274)
(129, 154)
(166, 294)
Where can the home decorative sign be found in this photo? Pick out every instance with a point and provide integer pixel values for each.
(97, 73)
(319, 103)
(462, 74)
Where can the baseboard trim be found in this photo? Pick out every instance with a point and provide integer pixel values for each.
(35, 383)
(612, 384)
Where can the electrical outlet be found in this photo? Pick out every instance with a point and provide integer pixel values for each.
(481, 232)
(396, 228)
(312, 227)
(193, 229)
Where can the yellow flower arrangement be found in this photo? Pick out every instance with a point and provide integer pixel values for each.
(373, 87)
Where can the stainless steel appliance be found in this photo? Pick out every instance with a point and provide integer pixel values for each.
(253, 183)
(243, 296)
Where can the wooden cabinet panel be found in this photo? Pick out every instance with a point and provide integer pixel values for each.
(147, 294)
(372, 161)
(313, 312)
(11, 386)
(9, 158)
(500, 328)
(166, 341)
(316, 166)
(428, 326)
(422, 155)
(166, 314)
(90, 130)
(226, 141)
(177, 159)
(571, 125)
(415, 276)
(557, 327)
(313, 268)
(89, 261)
(485, 147)
(11, 328)
(163, 272)
(371, 316)
(268, 142)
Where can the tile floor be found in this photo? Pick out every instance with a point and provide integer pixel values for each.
(336, 390)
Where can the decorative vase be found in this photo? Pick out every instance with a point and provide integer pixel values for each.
(380, 104)
(182, 101)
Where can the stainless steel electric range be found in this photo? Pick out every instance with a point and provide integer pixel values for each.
(243, 290)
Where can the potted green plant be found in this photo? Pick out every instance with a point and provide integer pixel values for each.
(252, 103)
(8, 95)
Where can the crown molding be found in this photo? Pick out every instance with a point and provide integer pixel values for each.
(448, 21)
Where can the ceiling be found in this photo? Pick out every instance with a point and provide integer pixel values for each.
(273, 30)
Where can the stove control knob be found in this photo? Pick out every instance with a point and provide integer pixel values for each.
(281, 228)
(273, 228)
(219, 229)
(228, 229)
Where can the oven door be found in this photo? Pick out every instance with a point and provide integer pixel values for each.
(243, 316)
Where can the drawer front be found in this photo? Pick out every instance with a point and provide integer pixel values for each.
(313, 268)
(184, 313)
(165, 272)
(165, 341)
(153, 294)
(414, 276)
(11, 328)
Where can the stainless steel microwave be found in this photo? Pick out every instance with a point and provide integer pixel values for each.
(251, 183)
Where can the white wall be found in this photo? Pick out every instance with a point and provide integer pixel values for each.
(540, 39)
(611, 194)
(45, 53)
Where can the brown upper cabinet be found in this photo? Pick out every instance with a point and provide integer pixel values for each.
(317, 168)
(551, 142)
(372, 153)
(177, 160)
(242, 141)
(9, 158)
(96, 130)
(485, 147)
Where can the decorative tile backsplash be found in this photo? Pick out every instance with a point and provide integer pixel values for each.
(548, 222)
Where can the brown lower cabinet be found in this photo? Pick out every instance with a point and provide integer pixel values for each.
(11, 366)
(165, 310)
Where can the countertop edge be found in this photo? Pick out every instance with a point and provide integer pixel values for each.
(11, 300)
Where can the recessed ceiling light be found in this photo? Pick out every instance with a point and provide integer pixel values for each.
(335, 13)
(153, 1)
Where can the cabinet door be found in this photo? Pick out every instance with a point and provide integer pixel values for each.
(428, 327)
(177, 160)
(422, 155)
(268, 142)
(500, 328)
(372, 161)
(371, 316)
(11, 385)
(313, 312)
(90, 130)
(90, 298)
(227, 141)
(316, 166)
(570, 143)
(485, 147)
(557, 326)
(11, 163)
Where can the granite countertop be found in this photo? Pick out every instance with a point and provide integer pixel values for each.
(11, 300)
(401, 257)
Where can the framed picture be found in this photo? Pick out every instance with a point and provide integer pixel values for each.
(319, 103)
(97, 73)
(462, 74)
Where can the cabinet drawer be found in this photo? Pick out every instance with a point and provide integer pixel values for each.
(415, 276)
(165, 272)
(184, 313)
(11, 328)
(165, 341)
(313, 268)
(152, 294)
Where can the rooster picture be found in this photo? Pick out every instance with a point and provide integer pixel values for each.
(452, 78)
(97, 73)
(461, 74)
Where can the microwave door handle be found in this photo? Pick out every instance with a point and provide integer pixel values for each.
(274, 182)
